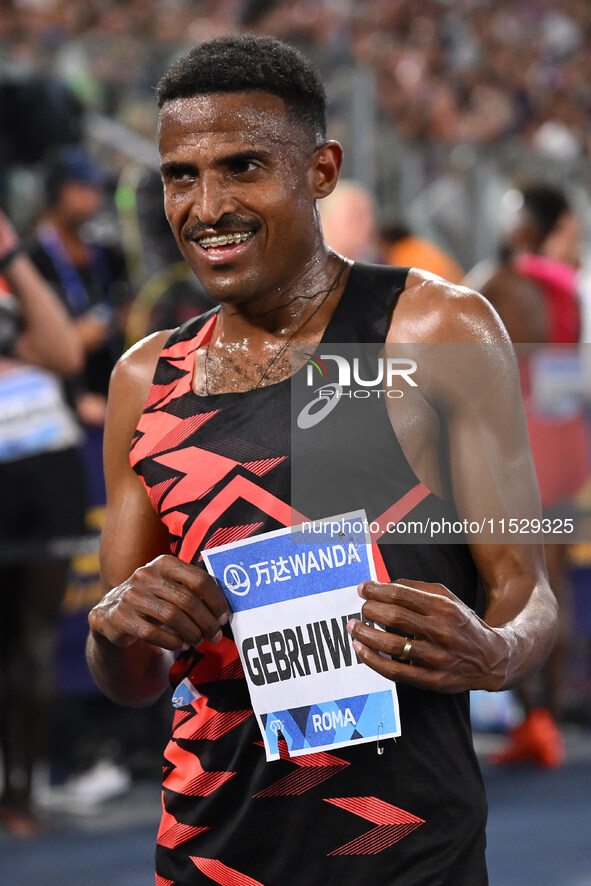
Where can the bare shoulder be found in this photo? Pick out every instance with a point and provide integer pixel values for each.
(130, 383)
(430, 309)
(134, 371)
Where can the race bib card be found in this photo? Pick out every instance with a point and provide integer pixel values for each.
(291, 603)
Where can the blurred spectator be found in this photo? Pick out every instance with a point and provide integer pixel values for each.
(169, 298)
(42, 501)
(91, 279)
(533, 286)
(349, 221)
(534, 289)
(399, 246)
(169, 293)
(451, 72)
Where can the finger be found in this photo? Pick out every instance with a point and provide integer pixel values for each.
(381, 641)
(403, 621)
(421, 652)
(399, 672)
(134, 627)
(395, 617)
(178, 609)
(185, 585)
(427, 587)
(416, 599)
(202, 585)
(192, 627)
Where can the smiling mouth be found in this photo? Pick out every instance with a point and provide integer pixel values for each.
(225, 239)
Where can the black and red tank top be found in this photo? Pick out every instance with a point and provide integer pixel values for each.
(217, 469)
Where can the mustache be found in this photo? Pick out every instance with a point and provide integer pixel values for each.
(226, 224)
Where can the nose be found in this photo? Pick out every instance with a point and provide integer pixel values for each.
(213, 199)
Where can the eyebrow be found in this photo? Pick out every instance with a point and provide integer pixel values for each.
(180, 166)
(238, 156)
(174, 167)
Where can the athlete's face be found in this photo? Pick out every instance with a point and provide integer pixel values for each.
(235, 166)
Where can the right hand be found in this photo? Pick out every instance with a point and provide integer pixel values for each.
(166, 603)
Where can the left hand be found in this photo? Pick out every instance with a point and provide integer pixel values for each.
(452, 649)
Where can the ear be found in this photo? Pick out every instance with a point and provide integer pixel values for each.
(325, 168)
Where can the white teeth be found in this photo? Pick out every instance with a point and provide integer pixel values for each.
(225, 239)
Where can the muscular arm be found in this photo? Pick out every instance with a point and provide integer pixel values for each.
(154, 604)
(491, 475)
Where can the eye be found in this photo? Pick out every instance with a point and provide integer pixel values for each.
(243, 166)
(179, 174)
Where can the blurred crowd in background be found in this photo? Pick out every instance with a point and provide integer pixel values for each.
(443, 105)
(468, 70)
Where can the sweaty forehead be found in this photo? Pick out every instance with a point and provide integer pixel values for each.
(251, 117)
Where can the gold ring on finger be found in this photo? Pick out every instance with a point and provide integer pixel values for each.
(404, 655)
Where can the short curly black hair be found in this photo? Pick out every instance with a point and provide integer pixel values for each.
(544, 204)
(239, 63)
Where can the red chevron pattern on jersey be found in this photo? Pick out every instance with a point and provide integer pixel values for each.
(264, 465)
(179, 717)
(212, 661)
(159, 490)
(232, 671)
(392, 824)
(211, 724)
(188, 776)
(312, 770)
(238, 488)
(173, 833)
(234, 533)
(165, 451)
(222, 874)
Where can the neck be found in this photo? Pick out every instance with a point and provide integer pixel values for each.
(68, 234)
(280, 311)
(250, 349)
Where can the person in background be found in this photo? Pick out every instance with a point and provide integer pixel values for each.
(91, 279)
(349, 223)
(533, 286)
(350, 227)
(397, 245)
(42, 500)
(534, 289)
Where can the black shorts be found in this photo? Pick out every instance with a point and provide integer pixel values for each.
(42, 498)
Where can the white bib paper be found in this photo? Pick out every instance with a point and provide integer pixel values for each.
(291, 602)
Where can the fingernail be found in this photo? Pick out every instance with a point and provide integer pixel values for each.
(356, 645)
(219, 636)
(185, 647)
(351, 624)
(224, 618)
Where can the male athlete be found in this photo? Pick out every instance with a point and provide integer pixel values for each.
(203, 413)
